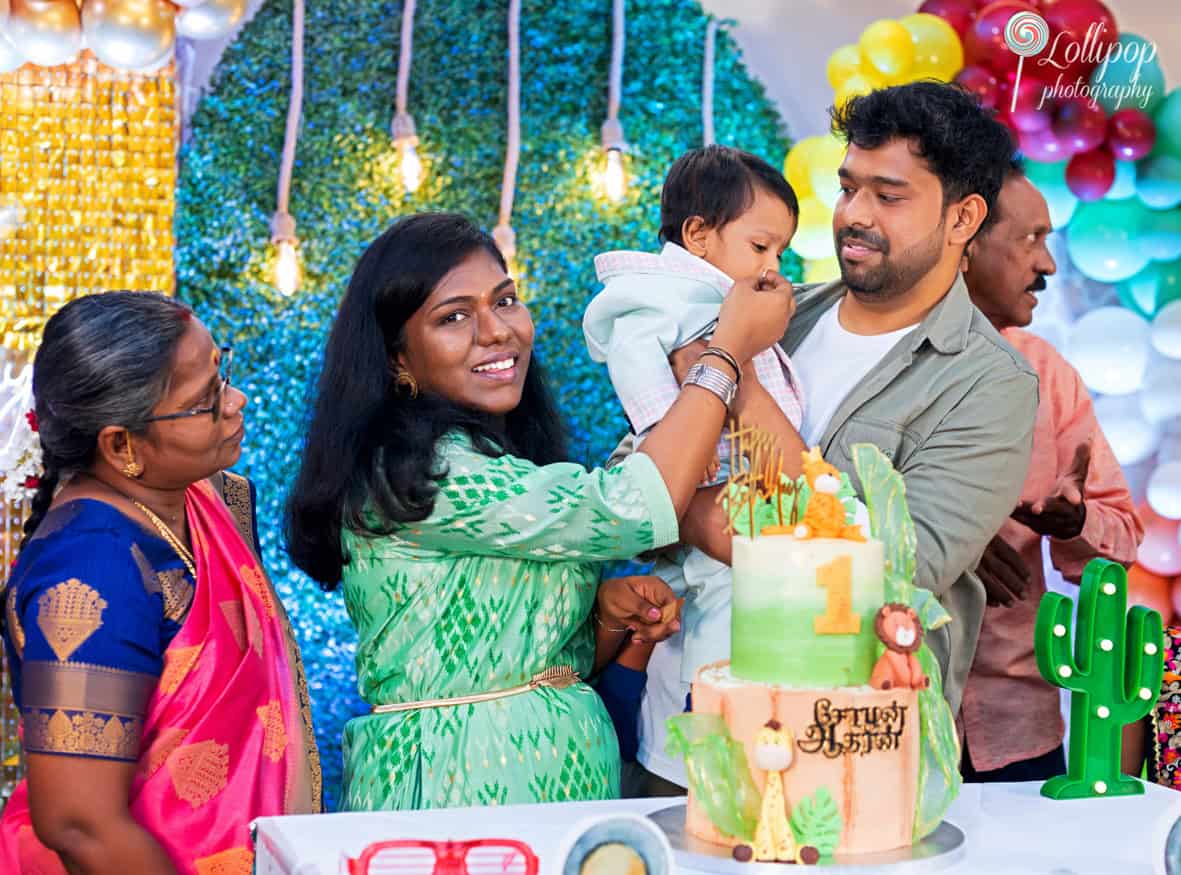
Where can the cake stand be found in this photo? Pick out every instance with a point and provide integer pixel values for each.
(942, 848)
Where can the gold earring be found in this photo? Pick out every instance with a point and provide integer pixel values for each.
(406, 379)
(132, 469)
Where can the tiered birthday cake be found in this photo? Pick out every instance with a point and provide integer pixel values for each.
(809, 741)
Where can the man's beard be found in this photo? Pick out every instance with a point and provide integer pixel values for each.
(892, 277)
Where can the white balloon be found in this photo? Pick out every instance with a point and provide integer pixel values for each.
(1166, 331)
(1160, 396)
(46, 32)
(10, 58)
(210, 19)
(1109, 348)
(1164, 490)
(159, 65)
(129, 34)
(1132, 437)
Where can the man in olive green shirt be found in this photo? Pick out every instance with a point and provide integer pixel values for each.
(896, 355)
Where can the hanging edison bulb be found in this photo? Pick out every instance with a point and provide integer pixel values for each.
(406, 139)
(614, 177)
(287, 269)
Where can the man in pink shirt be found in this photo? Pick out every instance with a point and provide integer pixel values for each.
(1074, 496)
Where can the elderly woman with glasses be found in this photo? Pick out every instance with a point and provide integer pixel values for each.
(162, 697)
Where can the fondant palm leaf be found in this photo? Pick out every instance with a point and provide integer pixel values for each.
(890, 522)
(718, 772)
(816, 821)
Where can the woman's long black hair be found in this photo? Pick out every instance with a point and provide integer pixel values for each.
(369, 461)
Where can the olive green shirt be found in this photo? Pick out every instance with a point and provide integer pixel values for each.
(953, 406)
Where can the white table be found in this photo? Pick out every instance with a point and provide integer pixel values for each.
(1010, 829)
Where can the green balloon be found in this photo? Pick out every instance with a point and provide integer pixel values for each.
(1050, 179)
(1130, 77)
(1161, 234)
(1104, 239)
(1152, 288)
(1168, 125)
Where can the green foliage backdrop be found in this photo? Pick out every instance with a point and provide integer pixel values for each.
(347, 190)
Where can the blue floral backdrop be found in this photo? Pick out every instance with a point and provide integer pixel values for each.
(347, 190)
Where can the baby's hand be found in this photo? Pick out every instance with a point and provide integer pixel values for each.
(711, 473)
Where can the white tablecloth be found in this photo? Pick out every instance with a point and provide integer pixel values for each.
(1010, 829)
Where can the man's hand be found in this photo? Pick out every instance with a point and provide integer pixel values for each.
(1061, 514)
(1003, 572)
(643, 604)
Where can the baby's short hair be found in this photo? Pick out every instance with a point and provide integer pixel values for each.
(717, 183)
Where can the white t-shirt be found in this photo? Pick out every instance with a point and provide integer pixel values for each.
(829, 362)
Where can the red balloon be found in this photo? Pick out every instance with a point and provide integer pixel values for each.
(1081, 32)
(1042, 145)
(1090, 175)
(957, 13)
(1151, 590)
(984, 43)
(1130, 134)
(1081, 125)
(1033, 109)
(980, 82)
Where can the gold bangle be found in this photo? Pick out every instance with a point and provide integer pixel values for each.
(599, 620)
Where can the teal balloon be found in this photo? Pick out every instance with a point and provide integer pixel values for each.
(1152, 288)
(1103, 239)
(1131, 76)
(1050, 180)
(1161, 235)
(1125, 181)
(1168, 125)
(1158, 181)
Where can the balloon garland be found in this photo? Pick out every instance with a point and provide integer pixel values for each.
(136, 36)
(1102, 140)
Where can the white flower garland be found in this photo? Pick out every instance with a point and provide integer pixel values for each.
(20, 452)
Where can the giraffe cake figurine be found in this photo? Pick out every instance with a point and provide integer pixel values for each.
(831, 706)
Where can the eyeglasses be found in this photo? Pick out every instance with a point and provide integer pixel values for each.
(422, 857)
(227, 363)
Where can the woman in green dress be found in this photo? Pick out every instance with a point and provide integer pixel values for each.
(434, 486)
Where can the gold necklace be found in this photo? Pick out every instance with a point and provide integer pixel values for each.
(181, 550)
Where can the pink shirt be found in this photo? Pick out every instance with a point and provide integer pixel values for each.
(1009, 713)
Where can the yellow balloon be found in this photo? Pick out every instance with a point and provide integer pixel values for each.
(842, 64)
(854, 85)
(938, 53)
(821, 270)
(827, 156)
(798, 166)
(813, 237)
(888, 47)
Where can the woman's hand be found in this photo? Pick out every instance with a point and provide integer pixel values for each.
(753, 317)
(644, 605)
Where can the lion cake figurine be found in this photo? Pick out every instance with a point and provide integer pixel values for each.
(898, 628)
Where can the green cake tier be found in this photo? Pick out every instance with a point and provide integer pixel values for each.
(803, 611)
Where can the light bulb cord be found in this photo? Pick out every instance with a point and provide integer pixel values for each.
(612, 131)
(294, 108)
(707, 83)
(512, 152)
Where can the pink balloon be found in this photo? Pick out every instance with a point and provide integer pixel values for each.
(984, 42)
(1131, 134)
(1090, 175)
(1042, 146)
(1034, 111)
(957, 13)
(1160, 551)
(1081, 125)
(980, 82)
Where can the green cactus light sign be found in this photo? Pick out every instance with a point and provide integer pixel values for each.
(1114, 676)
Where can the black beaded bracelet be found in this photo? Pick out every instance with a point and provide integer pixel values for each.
(718, 352)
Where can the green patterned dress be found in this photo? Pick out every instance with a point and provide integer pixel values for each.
(494, 587)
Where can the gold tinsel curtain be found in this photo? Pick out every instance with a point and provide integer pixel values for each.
(87, 191)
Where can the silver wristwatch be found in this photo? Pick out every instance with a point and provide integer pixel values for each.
(714, 380)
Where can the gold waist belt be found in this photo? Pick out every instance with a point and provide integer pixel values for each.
(559, 678)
